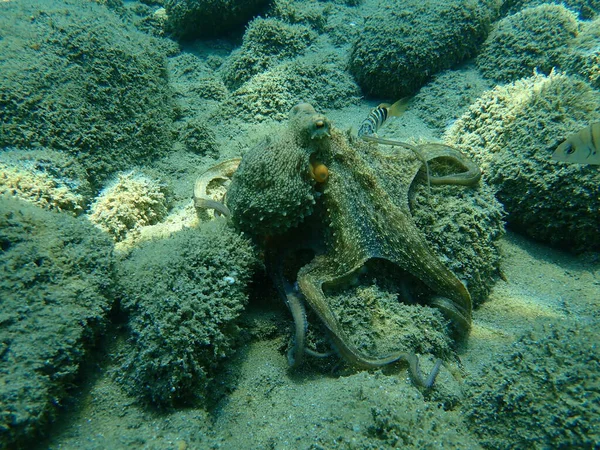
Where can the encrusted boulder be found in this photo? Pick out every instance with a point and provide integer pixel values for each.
(512, 131)
(405, 43)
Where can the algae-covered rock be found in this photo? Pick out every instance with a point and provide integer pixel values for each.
(585, 9)
(406, 42)
(266, 43)
(111, 4)
(211, 88)
(533, 38)
(512, 131)
(320, 80)
(76, 78)
(47, 178)
(583, 56)
(189, 19)
(55, 296)
(183, 296)
(448, 95)
(377, 323)
(198, 137)
(316, 15)
(542, 394)
(463, 225)
(131, 201)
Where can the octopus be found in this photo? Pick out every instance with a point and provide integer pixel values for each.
(356, 211)
(210, 187)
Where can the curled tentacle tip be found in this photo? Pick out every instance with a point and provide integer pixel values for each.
(319, 172)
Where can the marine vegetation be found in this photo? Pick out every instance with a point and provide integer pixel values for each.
(354, 215)
(536, 38)
(104, 99)
(131, 201)
(402, 45)
(541, 392)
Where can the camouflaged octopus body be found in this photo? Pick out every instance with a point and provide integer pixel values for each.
(272, 190)
(366, 204)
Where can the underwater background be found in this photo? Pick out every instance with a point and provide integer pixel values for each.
(132, 315)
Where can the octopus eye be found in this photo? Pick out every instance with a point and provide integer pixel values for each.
(319, 172)
(319, 123)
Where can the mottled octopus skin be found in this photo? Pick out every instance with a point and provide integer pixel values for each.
(366, 207)
(272, 190)
(370, 219)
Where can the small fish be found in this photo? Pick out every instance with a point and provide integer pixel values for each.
(379, 115)
(582, 147)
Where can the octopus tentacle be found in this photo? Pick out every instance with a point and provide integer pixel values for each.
(274, 265)
(309, 281)
(417, 375)
(222, 172)
(457, 314)
(393, 143)
(430, 151)
(277, 250)
(469, 177)
(295, 304)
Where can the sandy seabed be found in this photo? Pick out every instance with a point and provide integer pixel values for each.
(269, 407)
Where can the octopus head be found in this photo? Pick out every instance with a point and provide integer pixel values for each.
(308, 125)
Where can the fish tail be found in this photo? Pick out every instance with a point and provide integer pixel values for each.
(595, 136)
(399, 107)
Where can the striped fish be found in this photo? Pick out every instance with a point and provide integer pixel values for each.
(379, 115)
(582, 147)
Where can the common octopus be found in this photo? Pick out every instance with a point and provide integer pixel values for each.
(315, 180)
